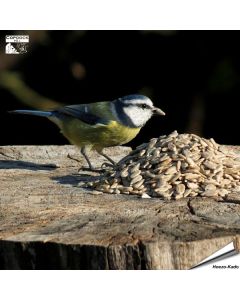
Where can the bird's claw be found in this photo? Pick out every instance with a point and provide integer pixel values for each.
(106, 165)
(90, 169)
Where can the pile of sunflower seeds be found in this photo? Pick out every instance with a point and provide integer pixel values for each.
(173, 167)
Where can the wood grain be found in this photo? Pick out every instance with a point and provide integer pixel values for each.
(47, 221)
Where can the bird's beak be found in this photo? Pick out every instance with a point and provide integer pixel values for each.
(158, 111)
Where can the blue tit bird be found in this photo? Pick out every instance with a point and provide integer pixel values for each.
(102, 124)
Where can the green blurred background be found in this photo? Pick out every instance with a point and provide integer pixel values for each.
(194, 76)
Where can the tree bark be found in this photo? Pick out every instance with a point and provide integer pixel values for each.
(47, 221)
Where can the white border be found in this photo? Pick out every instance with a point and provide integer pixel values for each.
(115, 14)
(118, 285)
(120, 14)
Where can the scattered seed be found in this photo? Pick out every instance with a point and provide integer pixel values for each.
(174, 166)
(223, 192)
(192, 185)
(215, 145)
(210, 187)
(149, 174)
(114, 185)
(124, 172)
(135, 168)
(173, 134)
(142, 152)
(187, 192)
(152, 143)
(178, 165)
(138, 185)
(175, 178)
(190, 176)
(171, 170)
(190, 162)
(202, 142)
(172, 147)
(180, 188)
(136, 179)
(135, 174)
(209, 193)
(193, 194)
(156, 153)
(125, 189)
(210, 165)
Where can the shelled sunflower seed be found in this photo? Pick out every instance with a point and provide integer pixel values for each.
(174, 166)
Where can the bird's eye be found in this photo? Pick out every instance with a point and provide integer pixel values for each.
(143, 106)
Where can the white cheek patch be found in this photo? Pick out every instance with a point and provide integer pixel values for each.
(137, 115)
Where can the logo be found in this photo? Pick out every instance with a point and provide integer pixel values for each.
(16, 44)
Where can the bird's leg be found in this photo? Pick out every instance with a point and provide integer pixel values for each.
(83, 151)
(91, 168)
(107, 157)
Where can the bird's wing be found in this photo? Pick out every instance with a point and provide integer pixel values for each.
(82, 113)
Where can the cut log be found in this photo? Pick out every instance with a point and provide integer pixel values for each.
(47, 221)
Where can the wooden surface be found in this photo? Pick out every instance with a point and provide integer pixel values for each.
(48, 222)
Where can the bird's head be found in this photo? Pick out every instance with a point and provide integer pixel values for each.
(135, 110)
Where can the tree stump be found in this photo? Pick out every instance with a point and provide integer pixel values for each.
(49, 222)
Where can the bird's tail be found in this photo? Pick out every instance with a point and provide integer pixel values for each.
(32, 112)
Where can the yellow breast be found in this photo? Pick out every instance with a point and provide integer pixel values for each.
(98, 136)
(121, 134)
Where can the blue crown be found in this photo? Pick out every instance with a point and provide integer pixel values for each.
(133, 97)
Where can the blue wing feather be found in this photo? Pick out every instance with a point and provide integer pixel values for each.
(81, 112)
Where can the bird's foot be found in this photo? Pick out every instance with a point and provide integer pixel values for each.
(88, 169)
(107, 166)
(73, 158)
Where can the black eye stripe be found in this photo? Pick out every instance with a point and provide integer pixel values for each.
(141, 105)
